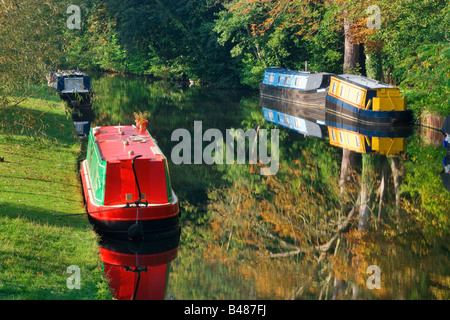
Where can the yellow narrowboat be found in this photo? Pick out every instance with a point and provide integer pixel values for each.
(366, 101)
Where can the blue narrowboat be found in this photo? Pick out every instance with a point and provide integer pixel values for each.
(295, 99)
(307, 89)
(295, 123)
(366, 101)
(72, 85)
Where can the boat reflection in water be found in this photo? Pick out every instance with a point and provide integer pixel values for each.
(138, 270)
(445, 173)
(355, 112)
(341, 131)
(380, 140)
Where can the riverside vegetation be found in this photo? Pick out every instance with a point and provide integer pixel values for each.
(294, 235)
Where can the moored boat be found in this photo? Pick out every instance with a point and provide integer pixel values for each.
(126, 184)
(307, 89)
(367, 101)
(72, 85)
(295, 99)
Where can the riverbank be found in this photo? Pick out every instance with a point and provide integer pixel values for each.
(39, 181)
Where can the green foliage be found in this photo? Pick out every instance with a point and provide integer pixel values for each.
(96, 44)
(283, 42)
(414, 52)
(30, 33)
(429, 202)
(426, 78)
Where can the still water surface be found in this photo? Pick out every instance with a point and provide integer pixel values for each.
(247, 236)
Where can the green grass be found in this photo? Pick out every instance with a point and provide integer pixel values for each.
(39, 180)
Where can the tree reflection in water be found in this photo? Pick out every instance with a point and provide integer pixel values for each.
(305, 233)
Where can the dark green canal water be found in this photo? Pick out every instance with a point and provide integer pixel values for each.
(249, 236)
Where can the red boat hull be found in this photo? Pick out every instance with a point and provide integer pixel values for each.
(155, 220)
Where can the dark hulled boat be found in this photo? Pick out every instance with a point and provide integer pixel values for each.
(73, 86)
(295, 99)
(307, 89)
(389, 141)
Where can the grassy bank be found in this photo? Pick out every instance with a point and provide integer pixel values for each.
(38, 181)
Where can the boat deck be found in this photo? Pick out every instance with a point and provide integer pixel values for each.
(125, 142)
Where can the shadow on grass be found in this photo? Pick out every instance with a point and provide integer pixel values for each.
(40, 216)
(37, 124)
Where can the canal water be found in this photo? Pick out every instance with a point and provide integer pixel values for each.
(291, 235)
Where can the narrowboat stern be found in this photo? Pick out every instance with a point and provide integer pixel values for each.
(367, 101)
(126, 184)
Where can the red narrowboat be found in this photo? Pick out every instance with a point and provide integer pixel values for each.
(126, 184)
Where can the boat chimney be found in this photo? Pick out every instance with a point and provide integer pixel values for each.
(306, 65)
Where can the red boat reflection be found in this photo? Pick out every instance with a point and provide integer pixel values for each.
(138, 270)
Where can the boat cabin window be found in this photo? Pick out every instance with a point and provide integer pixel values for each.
(333, 89)
(341, 137)
(357, 141)
(341, 92)
(358, 97)
(287, 120)
(333, 135)
(287, 80)
(280, 117)
(348, 93)
(271, 78)
(270, 115)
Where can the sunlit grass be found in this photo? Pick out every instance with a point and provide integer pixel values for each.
(39, 181)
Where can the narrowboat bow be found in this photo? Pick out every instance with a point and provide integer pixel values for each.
(126, 184)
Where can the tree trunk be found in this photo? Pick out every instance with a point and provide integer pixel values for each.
(339, 287)
(351, 50)
(371, 164)
(384, 173)
(348, 161)
(351, 59)
(396, 174)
